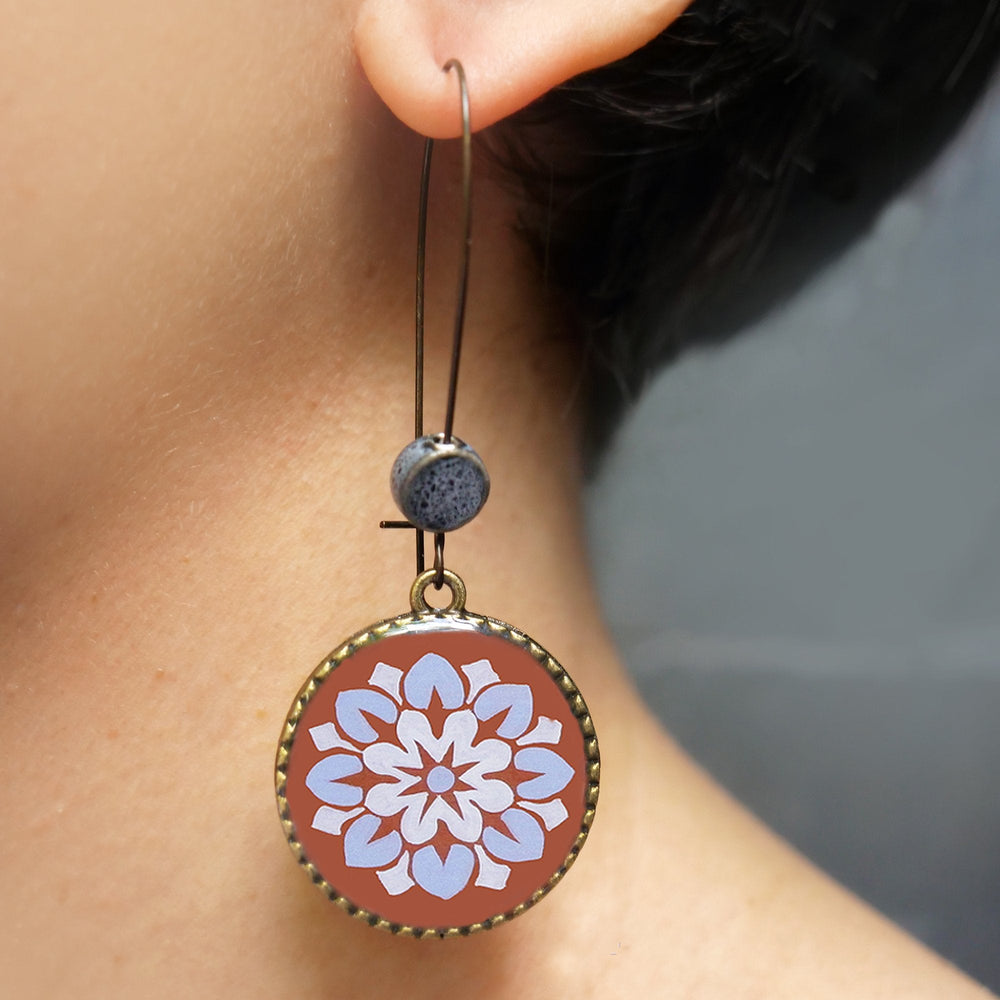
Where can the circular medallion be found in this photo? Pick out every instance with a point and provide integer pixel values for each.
(437, 773)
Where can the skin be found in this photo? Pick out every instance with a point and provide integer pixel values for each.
(206, 310)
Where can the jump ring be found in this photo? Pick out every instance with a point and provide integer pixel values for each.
(452, 580)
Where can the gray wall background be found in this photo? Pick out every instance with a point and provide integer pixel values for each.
(798, 540)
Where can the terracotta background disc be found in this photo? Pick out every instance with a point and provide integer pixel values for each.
(374, 665)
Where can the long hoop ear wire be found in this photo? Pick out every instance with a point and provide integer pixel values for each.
(459, 326)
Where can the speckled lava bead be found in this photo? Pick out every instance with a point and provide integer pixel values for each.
(439, 485)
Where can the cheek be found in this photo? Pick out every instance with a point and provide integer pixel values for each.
(144, 189)
(128, 132)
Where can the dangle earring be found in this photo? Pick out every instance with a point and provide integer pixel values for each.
(438, 772)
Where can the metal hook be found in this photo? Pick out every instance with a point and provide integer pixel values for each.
(438, 560)
(463, 286)
(463, 277)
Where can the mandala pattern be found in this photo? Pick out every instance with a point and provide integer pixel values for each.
(438, 776)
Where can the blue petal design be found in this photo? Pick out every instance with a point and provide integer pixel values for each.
(443, 879)
(351, 703)
(324, 780)
(526, 843)
(518, 702)
(429, 674)
(361, 851)
(553, 772)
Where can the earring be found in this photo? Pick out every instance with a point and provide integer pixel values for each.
(438, 772)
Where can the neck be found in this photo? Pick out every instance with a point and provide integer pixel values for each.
(164, 615)
(164, 598)
(239, 508)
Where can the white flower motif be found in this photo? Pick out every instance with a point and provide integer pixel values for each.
(457, 793)
(476, 791)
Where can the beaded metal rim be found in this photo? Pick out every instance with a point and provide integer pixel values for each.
(373, 634)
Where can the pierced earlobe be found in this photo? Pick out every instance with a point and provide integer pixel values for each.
(513, 52)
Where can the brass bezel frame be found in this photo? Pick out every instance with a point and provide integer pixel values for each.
(382, 630)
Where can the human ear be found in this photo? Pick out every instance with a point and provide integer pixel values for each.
(513, 50)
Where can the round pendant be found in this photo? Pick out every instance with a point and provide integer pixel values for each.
(438, 772)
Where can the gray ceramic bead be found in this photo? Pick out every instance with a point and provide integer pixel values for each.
(439, 486)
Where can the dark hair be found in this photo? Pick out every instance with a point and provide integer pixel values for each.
(749, 138)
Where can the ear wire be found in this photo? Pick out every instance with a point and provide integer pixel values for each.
(462, 295)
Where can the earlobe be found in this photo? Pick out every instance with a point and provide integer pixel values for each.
(513, 51)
